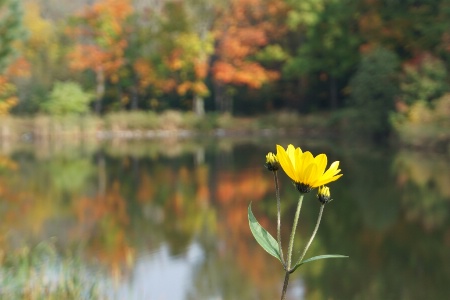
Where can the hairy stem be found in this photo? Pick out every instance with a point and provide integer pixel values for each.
(294, 227)
(312, 236)
(285, 284)
(277, 191)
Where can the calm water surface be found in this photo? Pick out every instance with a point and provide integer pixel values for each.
(168, 220)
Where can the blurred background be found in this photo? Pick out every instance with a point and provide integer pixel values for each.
(133, 136)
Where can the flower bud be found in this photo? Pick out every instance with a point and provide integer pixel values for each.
(323, 194)
(272, 163)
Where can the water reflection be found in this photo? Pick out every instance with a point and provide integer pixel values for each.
(167, 220)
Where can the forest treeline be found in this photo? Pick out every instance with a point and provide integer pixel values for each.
(376, 64)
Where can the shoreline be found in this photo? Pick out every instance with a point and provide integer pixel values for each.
(175, 125)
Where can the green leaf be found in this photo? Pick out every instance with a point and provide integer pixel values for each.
(262, 236)
(317, 258)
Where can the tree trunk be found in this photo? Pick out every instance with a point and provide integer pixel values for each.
(302, 84)
(199, 106)
(333, 93)
(100, 90)
(134, 97)
(223, 98)
(228, 103)
(218, 96)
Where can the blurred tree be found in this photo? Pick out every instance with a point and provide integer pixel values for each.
(145, 77)
(328, 42)
(179, 50)
(10, 30)
(151, 44)
(101, 34)
(190, 60)
(424, 78)
(41, 46)
(43, 49)
(67, 98)
(242, 30)
(374, 88)
(8, 98)
(408, 27)
(195, 48)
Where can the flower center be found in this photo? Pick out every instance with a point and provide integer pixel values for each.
(302, 187)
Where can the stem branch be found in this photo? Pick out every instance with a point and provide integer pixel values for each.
(313, 235)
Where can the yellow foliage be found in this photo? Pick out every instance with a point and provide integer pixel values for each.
(8, 98)
(7, 163)
(40, 30)
(420, 113)
(442, 107)
(190, 59)
(41, 34)
(200, 88)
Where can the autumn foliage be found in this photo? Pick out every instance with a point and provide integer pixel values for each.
(18, 68)
(213, 55)
(8, 98)
(103, 27)
(241, 33)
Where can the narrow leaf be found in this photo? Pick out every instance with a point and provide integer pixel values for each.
(262, 236)
(317, 258)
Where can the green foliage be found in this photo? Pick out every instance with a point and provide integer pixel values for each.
(325, 50)
(33, 95)
(425, 81)
(160, 57)
(304, 13)
(423, 125)
(67, 98)
(373, 90)
(329, 42)
(10, 29)
(272, 53)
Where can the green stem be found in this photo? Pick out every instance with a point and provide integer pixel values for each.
(312, 236)
(294, 227)
(285, 284)
(277, 191)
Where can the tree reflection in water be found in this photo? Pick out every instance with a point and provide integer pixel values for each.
(153, 218)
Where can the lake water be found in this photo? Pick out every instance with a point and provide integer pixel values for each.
(167, 219)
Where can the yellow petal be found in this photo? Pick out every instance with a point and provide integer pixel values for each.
(333, 170)
(285, 162)
(290, 151)
(305, 160)
(297, 157)
(310, 174)
(323, 181)
(321, 162)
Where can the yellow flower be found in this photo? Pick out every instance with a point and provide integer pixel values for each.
(272, 163)
(305, 170)
(323, 194)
